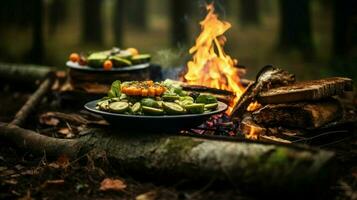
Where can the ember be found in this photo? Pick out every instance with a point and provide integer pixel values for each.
(211, 66)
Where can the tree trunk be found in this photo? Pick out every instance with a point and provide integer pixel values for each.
(249, 12)
(295, 27)
(344, 34)
(264, 167)
(37, 49)
(57, 14)
(118, 22)
(179, 11)
(137, 13)
(92, 21)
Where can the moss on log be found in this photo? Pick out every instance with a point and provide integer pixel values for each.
(254, 165)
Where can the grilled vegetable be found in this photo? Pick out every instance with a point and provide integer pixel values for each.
(206, 99)
(149, 102)
(211, 106)
(107, 65)
(195, 108)
(170, 98)
(119, 61)
(141, 58)
(118, 107)
(136, 107)
(152, 111)
(96, 59)
(173, 108)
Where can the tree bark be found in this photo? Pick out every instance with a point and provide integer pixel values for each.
(249, 12)
(295, 27)
(137, 13)
(179, 11)
(118, 23)
(92, 21)
(37, 49)
(266, 167)
(23, 73)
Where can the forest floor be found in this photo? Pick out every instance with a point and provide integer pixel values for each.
(26, 176)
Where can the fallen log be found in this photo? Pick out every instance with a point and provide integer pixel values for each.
(264, 167)
(302, 115)
(23, 73)
(306, 90)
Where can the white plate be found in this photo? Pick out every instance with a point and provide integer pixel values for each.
(75, 65)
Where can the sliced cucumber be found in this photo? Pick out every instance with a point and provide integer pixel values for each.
(96, 59)
(211, 106)
(152, 111)
(150, 103)
(118, 107)
(195, 108)
(136, 107)
(170, 98)
(119, 61)
(173, 108)
(141, 58)
(188, 98)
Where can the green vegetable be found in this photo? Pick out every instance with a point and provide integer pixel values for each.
(211, 106)
(170, 97)
(142, 58)
(103, 105)
(115, 89)
(206, 99)
(119, 61)
(136, 107)
(150, 102)
(152, 111)
(173, 108)
(195, 108)
(96, 59)
(118, 107)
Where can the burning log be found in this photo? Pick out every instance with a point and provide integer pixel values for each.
(267, 167)
(268, 77)
(303, 115)
(306, 90)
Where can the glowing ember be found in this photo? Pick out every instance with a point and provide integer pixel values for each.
(253, 134)
(254, 106)
(211, 66)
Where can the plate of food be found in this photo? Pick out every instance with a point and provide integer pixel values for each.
(154, 106)
(114, 59)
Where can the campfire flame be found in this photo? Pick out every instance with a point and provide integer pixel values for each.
(210, 65)
(253, 134)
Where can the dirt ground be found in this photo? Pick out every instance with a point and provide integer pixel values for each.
(27, 176)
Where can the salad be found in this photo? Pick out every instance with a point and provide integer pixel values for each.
(154, 98)
(110, 59)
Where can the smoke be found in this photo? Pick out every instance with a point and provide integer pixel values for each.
(218, 4)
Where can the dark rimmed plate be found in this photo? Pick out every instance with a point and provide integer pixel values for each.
(77, 66)
(170, 123)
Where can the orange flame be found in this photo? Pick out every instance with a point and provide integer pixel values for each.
(253, 134)
(210, 65)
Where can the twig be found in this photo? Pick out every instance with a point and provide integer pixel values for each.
(31, 103)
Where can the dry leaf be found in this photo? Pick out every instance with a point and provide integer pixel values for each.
(61, 162)
(147, 196)
(64, 131)
(48, 119)
(112, 184)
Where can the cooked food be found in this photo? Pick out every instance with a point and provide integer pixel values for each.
(154, 98)
(110, 59)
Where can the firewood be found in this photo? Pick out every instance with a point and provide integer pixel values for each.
(304, 115)
(268, 77)
(306, 90)
(265, 166)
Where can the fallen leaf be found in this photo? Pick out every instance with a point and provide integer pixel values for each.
(11, 182)
(147, 196)
(112, 184)
(49, 119)
(64, 131)
(48, 183)
(61, 162)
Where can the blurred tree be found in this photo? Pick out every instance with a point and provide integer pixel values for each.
(57, 14)
(295, 27)
(92, 21)
(137, 13)
(179, 10)
(344, 26)
(249, 12)
(37, 49)
(118, 22)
